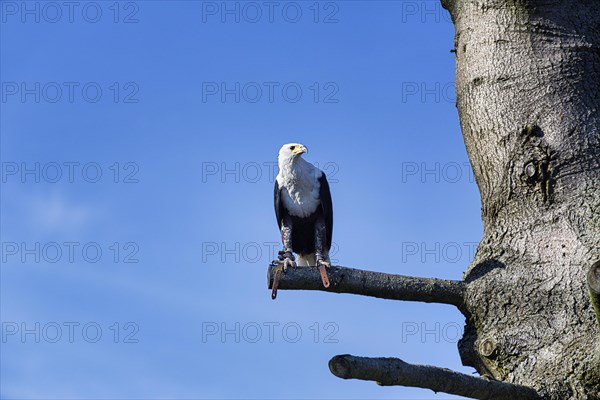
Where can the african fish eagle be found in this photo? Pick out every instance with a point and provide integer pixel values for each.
(303, 209)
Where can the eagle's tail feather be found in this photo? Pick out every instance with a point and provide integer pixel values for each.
(307, 260)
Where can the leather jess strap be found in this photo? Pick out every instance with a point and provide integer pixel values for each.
(276, 279)
(279, 271)
(324, 277)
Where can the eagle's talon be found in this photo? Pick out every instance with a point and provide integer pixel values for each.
(283, 254)
(323, 263)
(288, 262)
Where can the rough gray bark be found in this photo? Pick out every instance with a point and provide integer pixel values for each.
(528, 96)
(594, 287)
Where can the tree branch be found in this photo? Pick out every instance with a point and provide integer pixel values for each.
(375, 284)
(393, 371)
(593, 279)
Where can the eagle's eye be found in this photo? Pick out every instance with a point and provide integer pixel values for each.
(292, 147)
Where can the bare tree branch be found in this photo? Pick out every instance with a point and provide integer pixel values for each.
(594, 288)
(393, 371)
(375, 284)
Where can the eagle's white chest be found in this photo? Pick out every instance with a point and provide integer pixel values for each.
(300, 189)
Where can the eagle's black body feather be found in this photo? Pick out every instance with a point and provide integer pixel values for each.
(304, 229)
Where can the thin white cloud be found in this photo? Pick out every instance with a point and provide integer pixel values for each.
(46, 212)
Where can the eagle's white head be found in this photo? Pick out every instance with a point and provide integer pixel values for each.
(290, 152)
(299, 180)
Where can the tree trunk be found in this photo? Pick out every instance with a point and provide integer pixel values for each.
(528, 95)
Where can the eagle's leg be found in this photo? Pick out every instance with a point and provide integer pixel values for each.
(286, 255)
(321, 252)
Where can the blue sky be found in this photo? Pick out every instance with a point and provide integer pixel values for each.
(138, 142)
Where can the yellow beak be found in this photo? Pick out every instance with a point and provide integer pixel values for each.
(300, 149)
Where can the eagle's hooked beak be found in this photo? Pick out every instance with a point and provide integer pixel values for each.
(300, 149)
